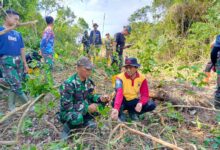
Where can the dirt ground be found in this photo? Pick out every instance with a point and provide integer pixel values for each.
(186, 127)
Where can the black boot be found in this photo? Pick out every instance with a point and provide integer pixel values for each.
(89, 121)
(90, 124)
(122, 116)
(66, 132)
(133, 116)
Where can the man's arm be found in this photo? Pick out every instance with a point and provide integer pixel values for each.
(24, 59)
(91, 37)
(66, 100)
(127, 46)
(100, 38)
(144, 93)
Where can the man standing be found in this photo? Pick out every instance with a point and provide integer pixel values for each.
(215, 58)
(108, 46)
(78, 100)
(86, 43)
(47, 42)
(119, 45)
(12, 59)
(132, 92)
(95, 39)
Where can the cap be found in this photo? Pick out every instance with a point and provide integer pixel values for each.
(128, 28)
(84, 61)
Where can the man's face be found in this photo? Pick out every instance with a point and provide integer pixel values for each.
(126, 32)
(130, 70)
(83, 72)
(12, 19)
(107, 36)
(95, 27)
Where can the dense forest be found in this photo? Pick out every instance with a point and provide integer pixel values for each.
(170, 38)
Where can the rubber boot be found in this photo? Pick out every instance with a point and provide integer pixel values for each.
(11, 100)
(66, 131)
(208, 75)
(122, 116)
(22, 98)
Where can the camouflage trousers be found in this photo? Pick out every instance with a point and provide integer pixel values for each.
(48, 59)
(76, 116)
(13, 70)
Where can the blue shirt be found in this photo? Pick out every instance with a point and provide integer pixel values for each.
(95, 37)
(11, 43)
(217, 41)
(47, 41)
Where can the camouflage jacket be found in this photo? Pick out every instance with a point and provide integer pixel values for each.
(77, 95)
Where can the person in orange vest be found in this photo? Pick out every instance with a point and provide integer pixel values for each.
(132, 93)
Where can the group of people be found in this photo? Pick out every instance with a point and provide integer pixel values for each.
(92, 44)
(78, 104)
(14, 62)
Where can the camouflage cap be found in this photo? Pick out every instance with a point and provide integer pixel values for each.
(84, 61)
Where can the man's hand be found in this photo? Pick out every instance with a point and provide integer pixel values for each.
(127, 46)
(92, 108)
(105, 98)
(138, 107)
(114, 114)
(26, 68)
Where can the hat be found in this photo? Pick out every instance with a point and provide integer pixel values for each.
(95, 24)
(128, 28)
(84, 61)
(131, 62)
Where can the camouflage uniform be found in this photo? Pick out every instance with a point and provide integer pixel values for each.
(12, 67)
(48, 59)
(76, 96)
(109, 48)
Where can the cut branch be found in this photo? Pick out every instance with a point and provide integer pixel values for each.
(145, 135)
(14, 111)
(25, 113)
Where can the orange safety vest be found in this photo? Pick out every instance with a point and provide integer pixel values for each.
(130, 91)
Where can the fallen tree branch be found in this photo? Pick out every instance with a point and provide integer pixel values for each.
(185, 106)
(145, 135)
(3, 84)
(24, 114)
(52, 126)
(8, 142)
(14, 111)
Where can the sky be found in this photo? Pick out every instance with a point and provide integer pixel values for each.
(116, 12)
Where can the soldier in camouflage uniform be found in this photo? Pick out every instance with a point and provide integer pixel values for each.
(12, 59)
(86, 43)
(78, 100)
